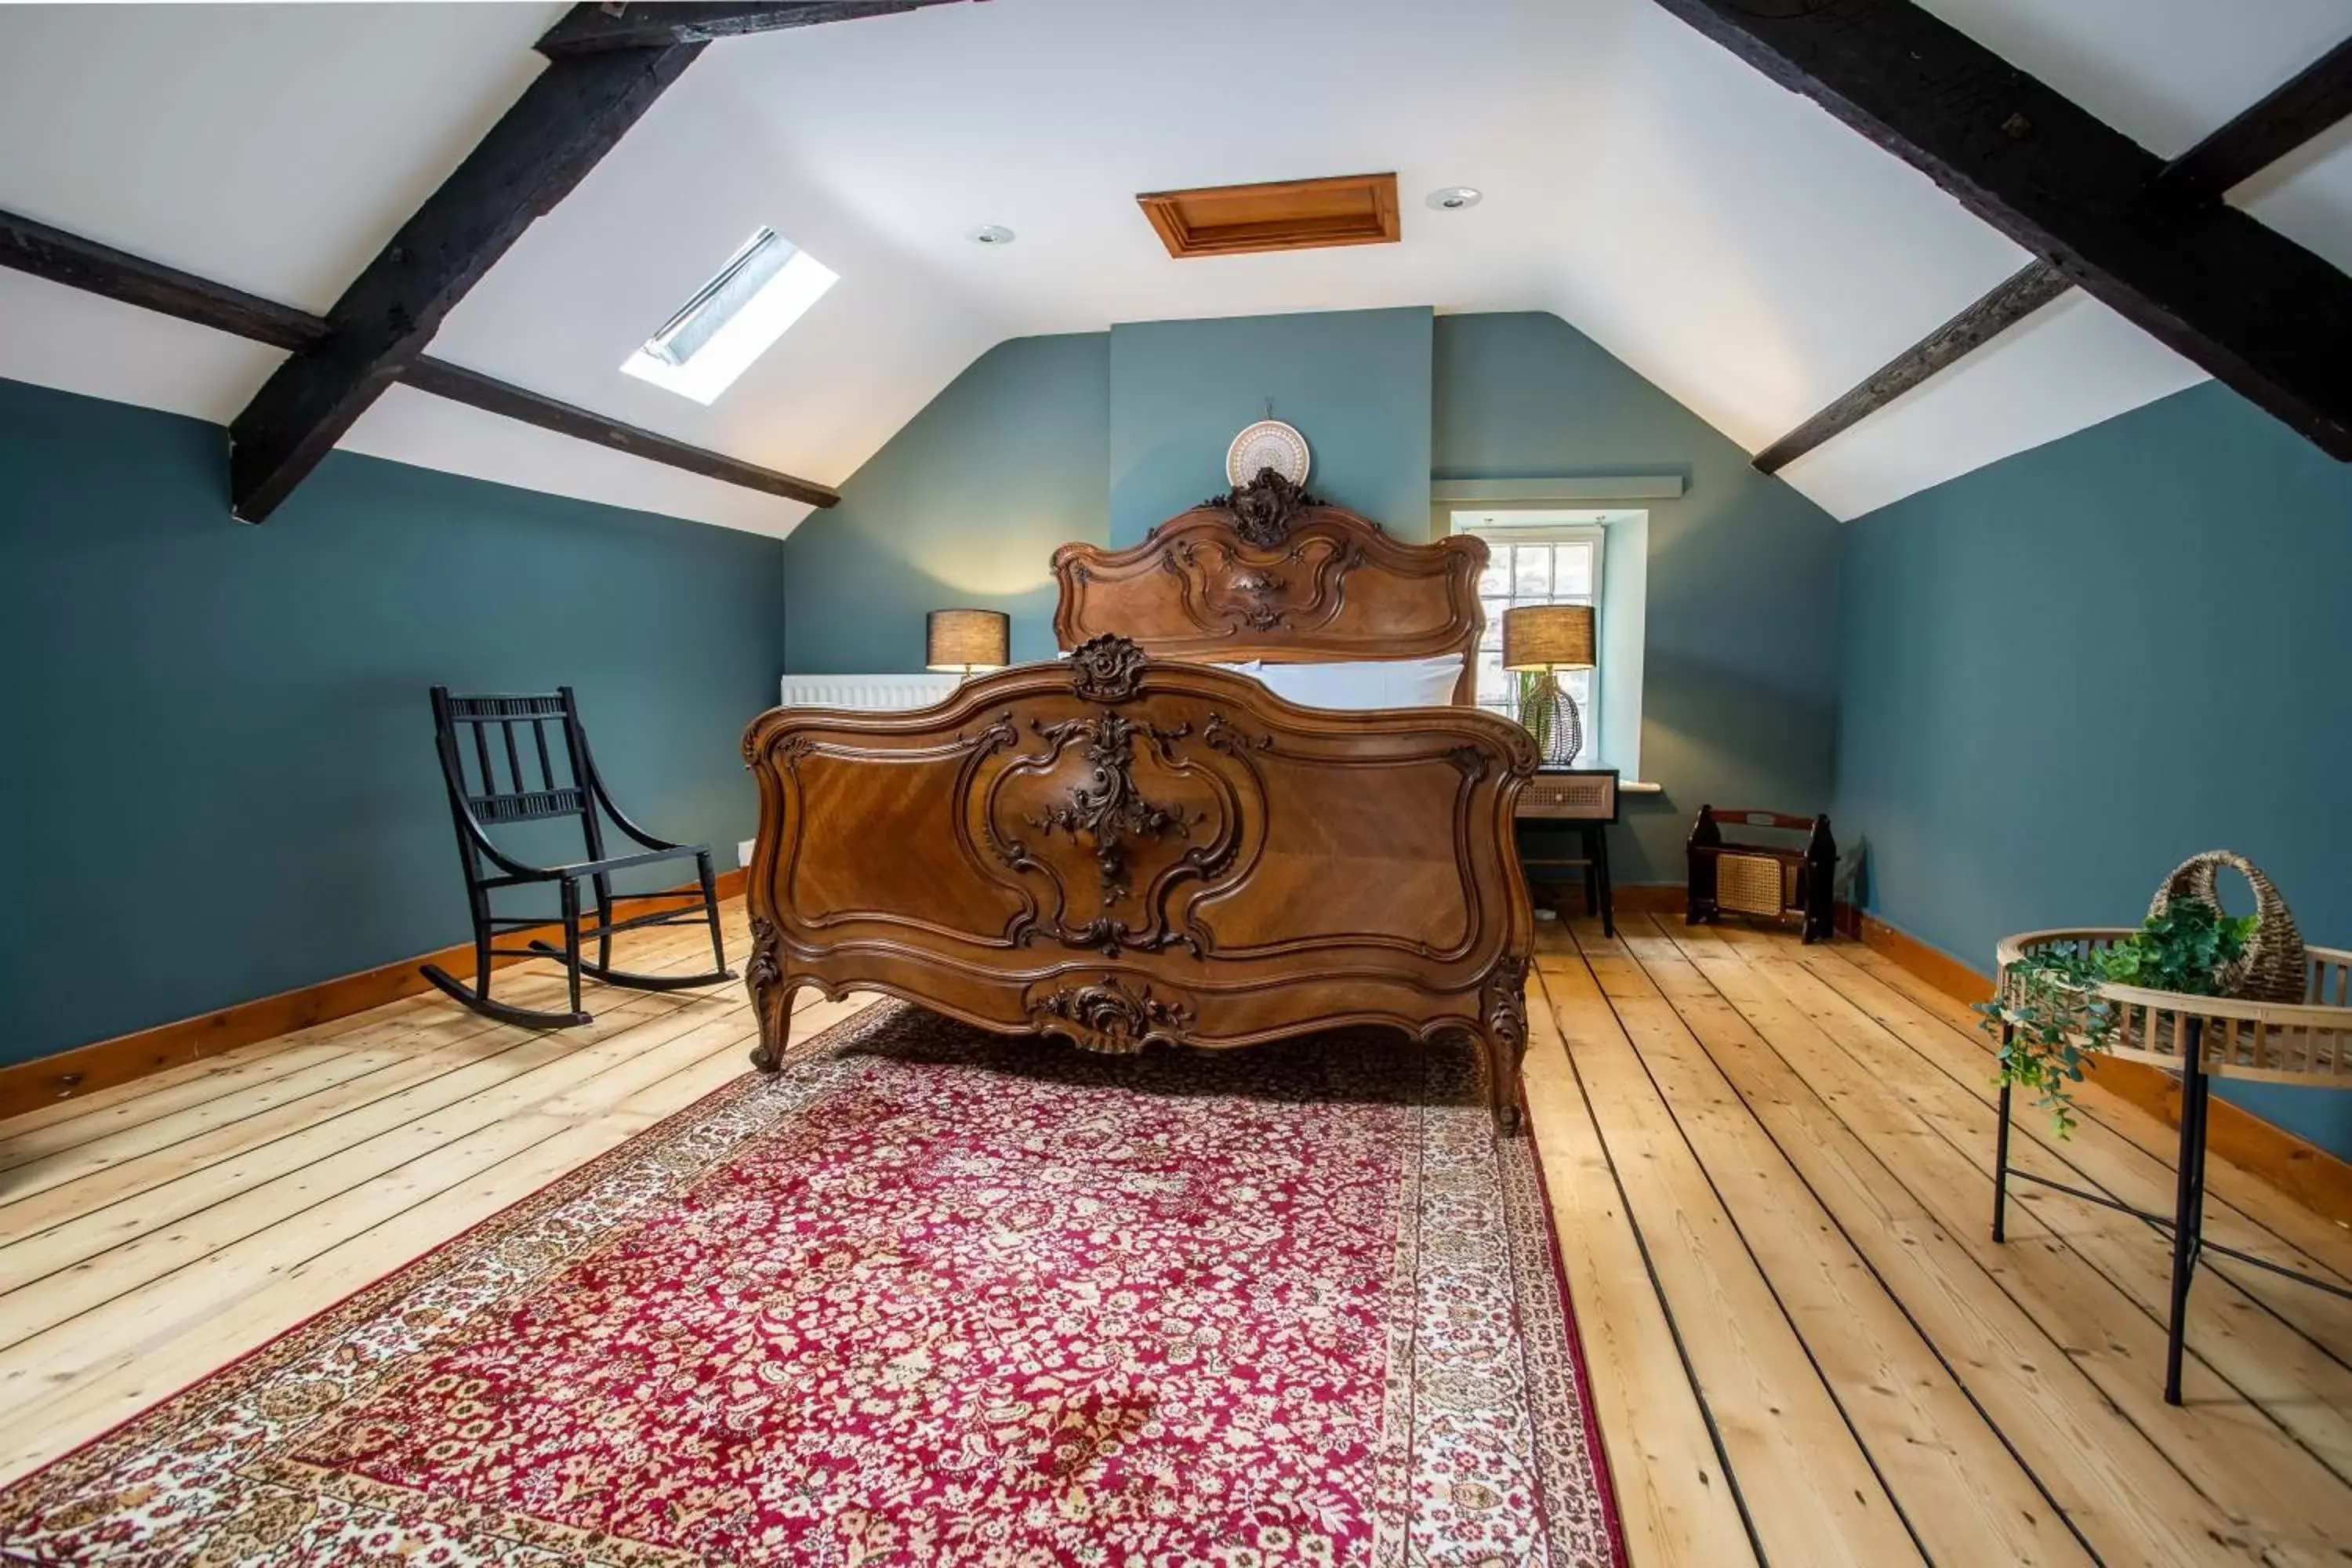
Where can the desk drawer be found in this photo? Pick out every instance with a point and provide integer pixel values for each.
(1585, 797)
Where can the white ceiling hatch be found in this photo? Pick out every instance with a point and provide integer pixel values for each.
(1727, 239)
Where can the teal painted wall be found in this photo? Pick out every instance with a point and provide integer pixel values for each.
(1094, 437)
(962, 507)
(219, 774)
(1740, 672)
(1355, 382)
(2071, 669)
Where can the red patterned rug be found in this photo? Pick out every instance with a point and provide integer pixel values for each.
(929, 1298)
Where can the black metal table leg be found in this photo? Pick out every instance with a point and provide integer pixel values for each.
(2188, 1212)
(2186, 1227)
(2000, 1155)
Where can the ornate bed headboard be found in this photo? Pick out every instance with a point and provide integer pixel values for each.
(1271, 572)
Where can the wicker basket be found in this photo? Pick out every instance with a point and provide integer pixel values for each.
(2271, 967)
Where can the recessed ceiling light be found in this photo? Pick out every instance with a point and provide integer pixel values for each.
(1454, 198)
(989, 234)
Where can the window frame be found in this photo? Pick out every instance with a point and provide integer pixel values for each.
(751, 305)
(1594, 537)
(1613, 718)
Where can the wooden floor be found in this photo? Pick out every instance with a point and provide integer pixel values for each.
(1769, 1164)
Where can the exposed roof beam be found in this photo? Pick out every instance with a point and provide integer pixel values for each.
(606, 65)
(589, 29)
(459, 384)
(2007, 303)
(36, 248)
(27, 246)
(2252, 307)
(567, 119)
(2301, 108)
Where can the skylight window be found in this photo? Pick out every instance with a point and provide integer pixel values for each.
(732, 320)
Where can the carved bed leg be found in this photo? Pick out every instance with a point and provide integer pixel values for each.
(1503, 1054)
(775, 1032)
(1505, 1036)
(771, 999)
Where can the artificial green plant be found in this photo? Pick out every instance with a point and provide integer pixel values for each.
(2052, 1015)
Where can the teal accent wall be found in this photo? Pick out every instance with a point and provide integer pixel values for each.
(2069, 670)
(1740, 666)
(219, 778)
(962, 508)
(1094, 437)
(1355, 382)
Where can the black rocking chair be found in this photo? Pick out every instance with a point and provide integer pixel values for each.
(568, 785)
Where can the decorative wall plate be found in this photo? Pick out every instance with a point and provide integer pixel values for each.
(1268, 444)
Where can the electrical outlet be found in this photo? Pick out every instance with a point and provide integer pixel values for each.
(743, 852)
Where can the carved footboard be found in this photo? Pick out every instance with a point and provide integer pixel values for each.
(1123, 850)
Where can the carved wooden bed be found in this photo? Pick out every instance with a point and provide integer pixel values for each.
(1132, 846)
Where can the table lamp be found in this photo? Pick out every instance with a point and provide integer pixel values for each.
(1544, 640)
(967, 640)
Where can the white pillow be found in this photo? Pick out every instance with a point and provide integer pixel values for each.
(1366, 683)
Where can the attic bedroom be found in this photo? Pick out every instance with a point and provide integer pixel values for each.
(1056, 781)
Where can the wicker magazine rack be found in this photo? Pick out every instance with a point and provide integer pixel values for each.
(1746, 876)
(2287, 1019)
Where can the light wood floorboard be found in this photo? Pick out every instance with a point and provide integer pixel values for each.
(1770, 1165)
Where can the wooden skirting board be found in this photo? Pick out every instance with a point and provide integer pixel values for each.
(2304, 1172)
(25, 1086)
(1649, 899)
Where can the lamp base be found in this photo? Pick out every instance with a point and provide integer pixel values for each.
(1549, 714)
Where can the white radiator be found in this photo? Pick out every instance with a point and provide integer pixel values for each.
(866, 692)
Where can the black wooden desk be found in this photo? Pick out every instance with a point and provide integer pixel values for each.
(1579, 801)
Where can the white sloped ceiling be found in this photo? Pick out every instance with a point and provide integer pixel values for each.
(1726, 239)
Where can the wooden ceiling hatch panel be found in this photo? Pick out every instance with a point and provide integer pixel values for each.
(1280, 215)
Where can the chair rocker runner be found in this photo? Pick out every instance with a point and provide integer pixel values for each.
(568, 785)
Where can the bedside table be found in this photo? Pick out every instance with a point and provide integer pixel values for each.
(1579, 801)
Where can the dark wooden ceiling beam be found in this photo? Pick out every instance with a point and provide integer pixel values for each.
(476, 390)
(567, 119)
(2299, 110)
(606, 66)
(2309, 103)
(2246, 303)
(2004, 305)
(27, 246)
(591, 28)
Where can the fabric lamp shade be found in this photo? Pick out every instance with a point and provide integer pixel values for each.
(1547, 637)
(967, 640)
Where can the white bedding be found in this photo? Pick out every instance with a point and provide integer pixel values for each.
(1349, 685)
(1357, 684)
